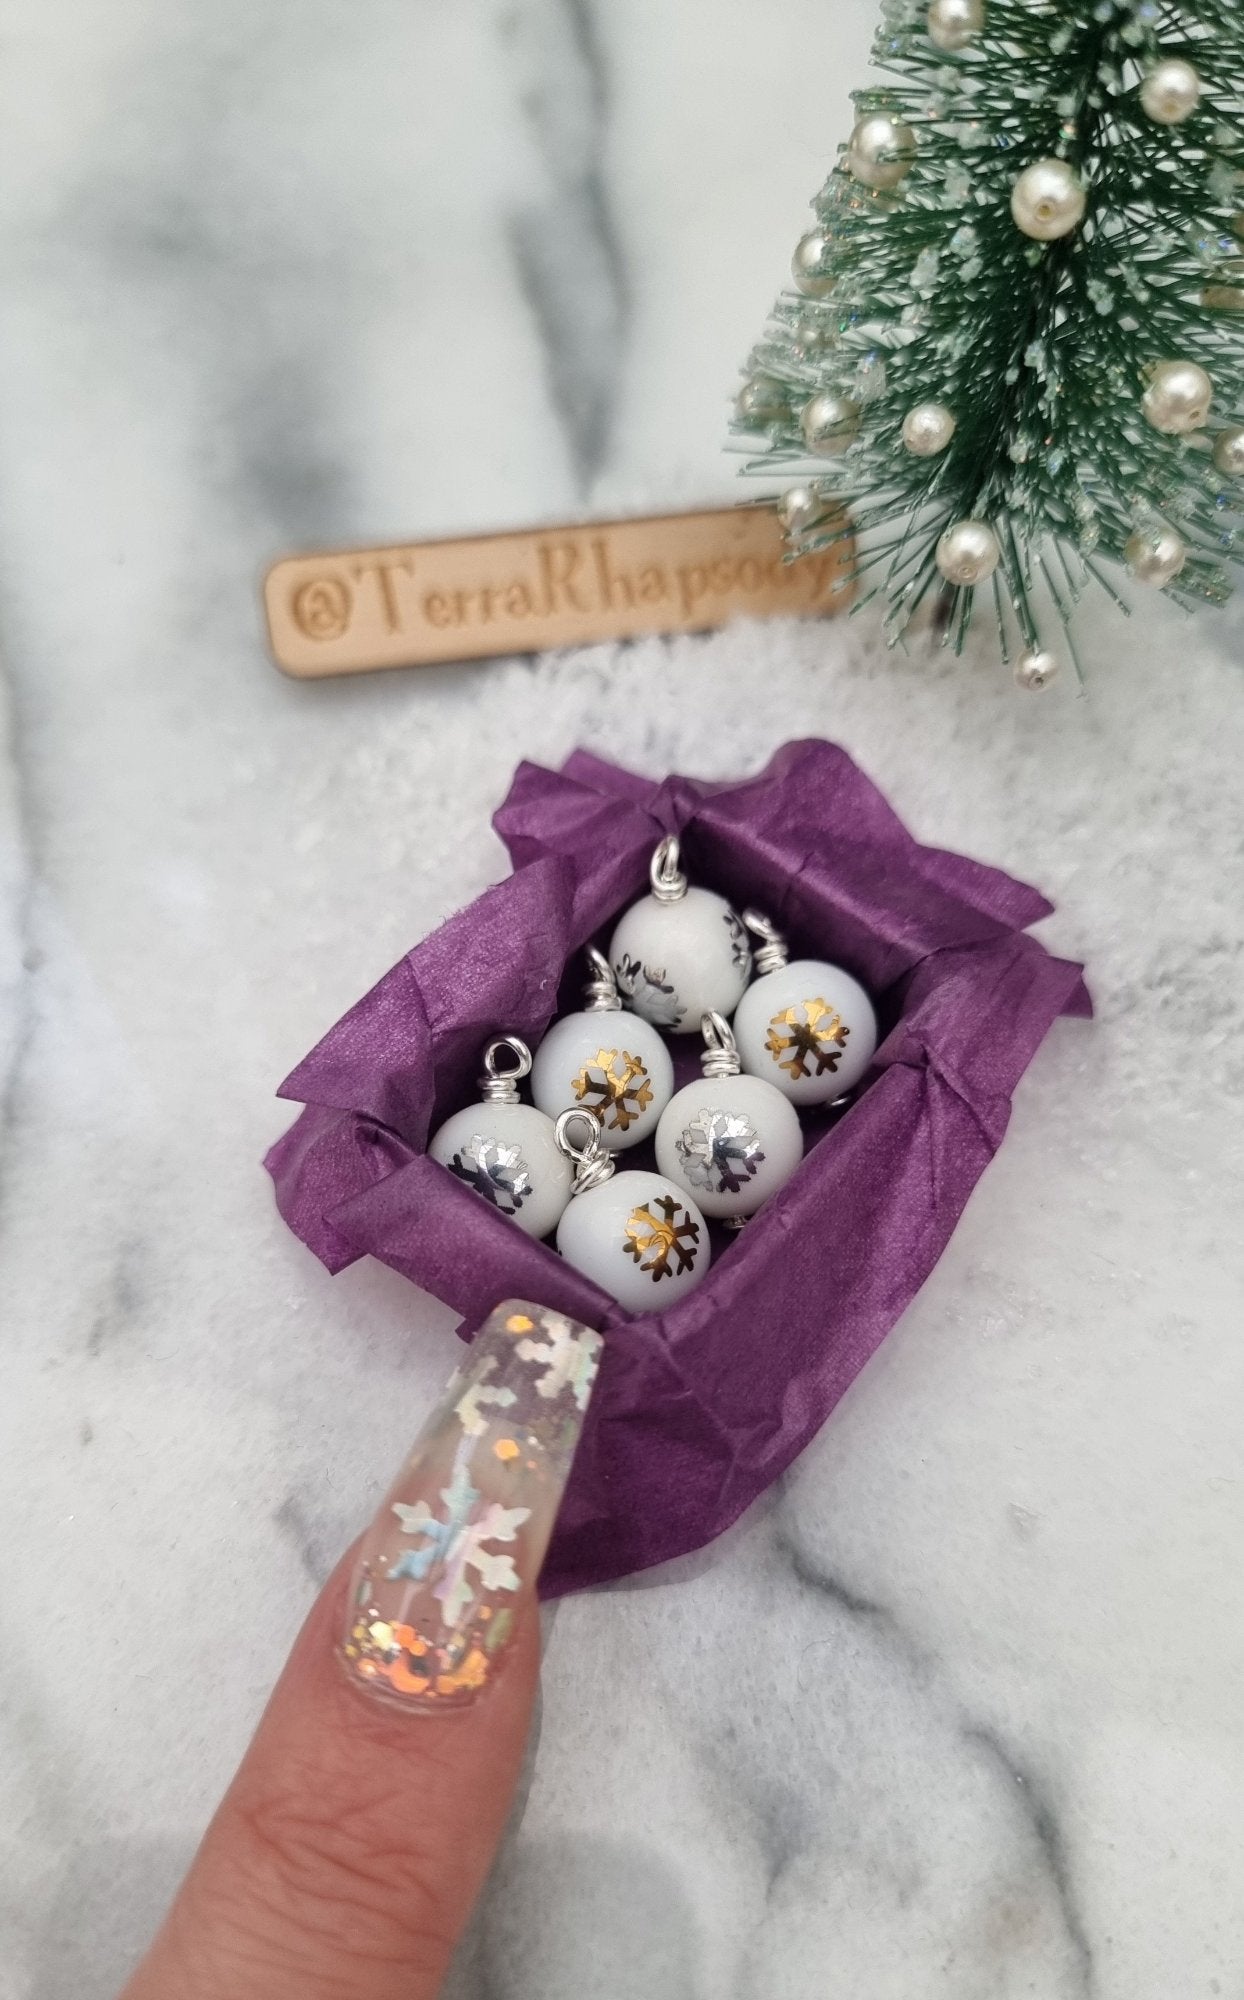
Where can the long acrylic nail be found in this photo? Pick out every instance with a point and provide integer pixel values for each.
(463, 1532)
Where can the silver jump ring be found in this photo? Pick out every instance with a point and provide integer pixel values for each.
(500, 1086)
(669, 884)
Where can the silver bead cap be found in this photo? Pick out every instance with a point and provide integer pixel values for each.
(772, 953)
(593, 1163)
(721, 1051)
(498, 1085)
(601, 994)
(669, 884)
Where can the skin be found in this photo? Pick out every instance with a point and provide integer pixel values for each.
(347, 1854)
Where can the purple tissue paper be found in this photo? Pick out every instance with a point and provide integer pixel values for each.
(697, 1410)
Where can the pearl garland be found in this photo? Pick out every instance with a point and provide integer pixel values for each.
(1155, 555)
(881, 152)
(968, 553)
(954, 24)
(1171, 92)
(928, 429)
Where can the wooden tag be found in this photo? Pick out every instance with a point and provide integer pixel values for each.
(349, 612)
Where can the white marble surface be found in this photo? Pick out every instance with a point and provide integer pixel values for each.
(956, 1714)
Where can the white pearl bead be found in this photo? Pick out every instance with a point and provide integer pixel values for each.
(953, 24)
(968, 553)
(761, 401)
(1177, 401)
(1036, 668)
(928, 429)
(613, 1064)
(881, 151)
(640, 1238)
(811, 336)
(809, 1029)
(508, 1154)
(830, 424)
(731, 1142)
(1171, 92)
(801, 507)
(1155, 555)
(808, 265)
(675, 962)
(1229, 453)
(1048, 201)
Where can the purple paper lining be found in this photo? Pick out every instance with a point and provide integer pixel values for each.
(699, 1409)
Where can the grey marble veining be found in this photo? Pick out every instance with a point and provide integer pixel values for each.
(952, 1715)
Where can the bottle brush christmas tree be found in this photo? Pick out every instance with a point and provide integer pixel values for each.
(1015, 344)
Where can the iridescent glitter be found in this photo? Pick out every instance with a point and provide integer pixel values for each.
(466, 1526)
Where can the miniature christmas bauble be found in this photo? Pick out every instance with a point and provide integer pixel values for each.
(761, 401)
(638, 1236)
(968, 553)
(506, 1151)
(608, 1061)
(954, 24)
(1048, 201)
(1178, 398)
(731, 1141)
(1229, 452)
(1171, 92)
(881, 151)
(831, 424)
(681, 952)
(811, 336)
(928, 429)
(801, 507)
(808, 1028)
(1155, 555)
(809, 265)
(1036, 668)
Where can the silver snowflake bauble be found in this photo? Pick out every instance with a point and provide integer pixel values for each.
(496, 1171)
(719, 1151)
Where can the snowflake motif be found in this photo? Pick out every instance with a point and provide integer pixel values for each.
(646, 988)
(740, 944)
(720, 1151)
(568, 1355)
(616, 1087)
(457, 1544)
(498, 1172)
(660, 1231)
(472, 1406)
(809, 1033)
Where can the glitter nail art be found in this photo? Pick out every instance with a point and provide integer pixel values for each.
(464, 1530)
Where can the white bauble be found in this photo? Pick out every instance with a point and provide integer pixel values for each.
(881, 151)
(1036, 667)
(1229, 452)
(831, 424)
(1178, 398)
(808, 265)
(968, 553)
(808, 1028)
(614, 1064)
(761, 401)
(955, 24)
(801, 508)
(676, 961)
(508, 1153)
(731, 1142)
(928, 429)
(1155, 555)
(1171, 92)
(638, 1237)
(1048, 201)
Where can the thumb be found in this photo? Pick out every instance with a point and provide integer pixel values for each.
(348, 1852)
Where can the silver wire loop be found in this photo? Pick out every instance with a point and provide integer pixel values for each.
(500, 1086)
(601, 992)
(721, 1051)
(772, 953)
(669, 884)
(593, 1163)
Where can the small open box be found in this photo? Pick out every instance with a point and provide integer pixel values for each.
(698, 1409)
